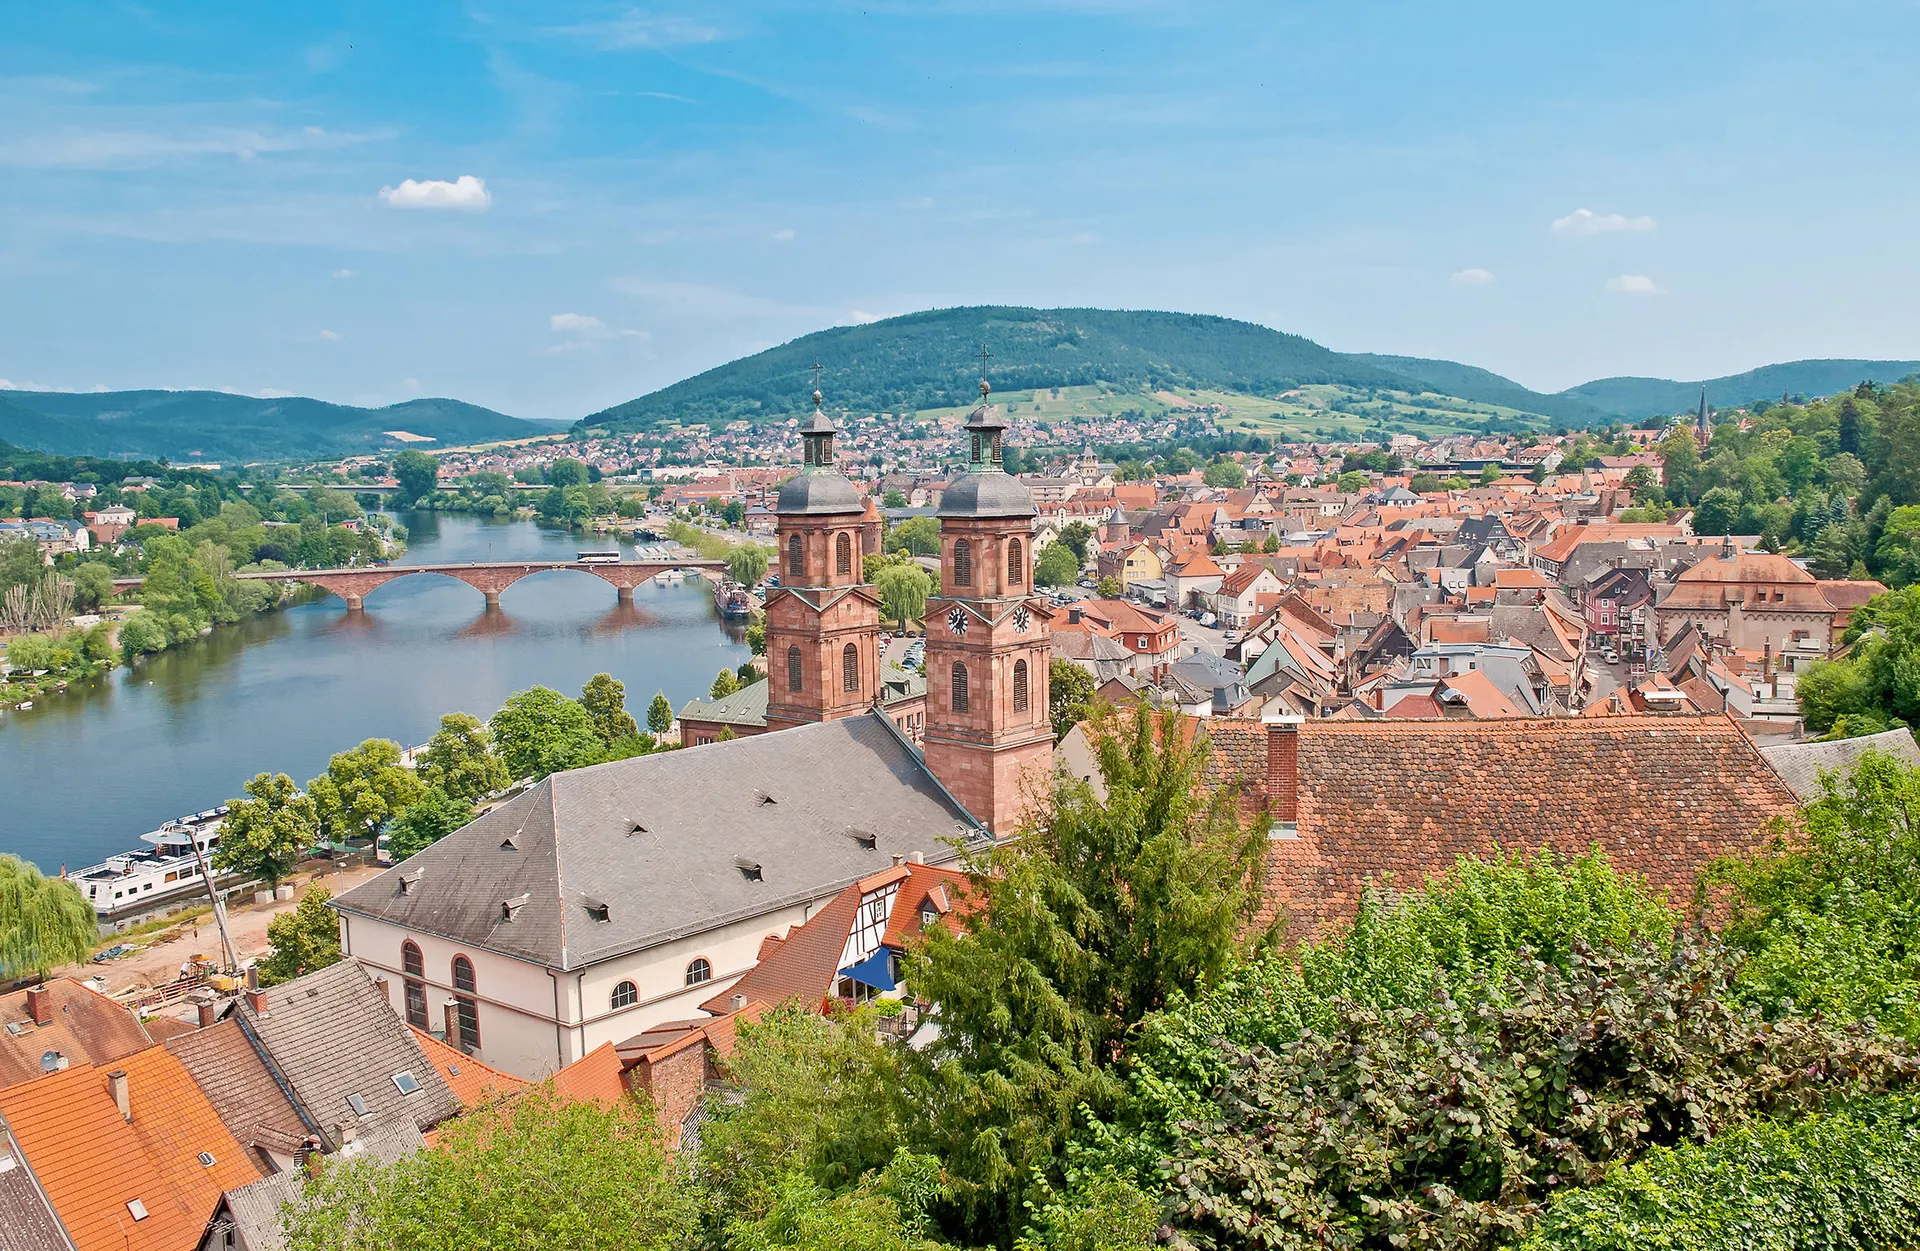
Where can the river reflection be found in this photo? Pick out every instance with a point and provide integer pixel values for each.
(83, 774)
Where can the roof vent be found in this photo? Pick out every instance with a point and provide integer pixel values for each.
(410, 880)
(637, 827)
(868, 840)
(511, 842)
(205, 1158)
(764, 798)
(509, 907)
(749, 869)
(598, 909)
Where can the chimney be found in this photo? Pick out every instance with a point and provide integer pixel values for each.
(208, 1014)
(898, 859)
(253, 978)
(737, 1002)
(117, 1084)
(347, 1132)
(450, 1018)
(40, 1005)
(257, 1000)
(1283, 771)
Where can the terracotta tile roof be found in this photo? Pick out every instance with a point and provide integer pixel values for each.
(1755, 578)
(229, 1071)
(593, 1078)
(805, 963)
(91, 1163)
(1562, 545)
(1660, 795)
(1198, 565)
(946, 889)
(86, 1027)
(473, 1083)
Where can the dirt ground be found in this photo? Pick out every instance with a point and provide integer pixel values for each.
(164, 951)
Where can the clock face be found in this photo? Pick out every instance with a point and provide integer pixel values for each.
(1021, 619)
(957, 621)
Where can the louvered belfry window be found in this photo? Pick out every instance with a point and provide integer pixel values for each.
(850, 668)
(963, 563)
(1019, 686)
(796, 673)
(959, 687)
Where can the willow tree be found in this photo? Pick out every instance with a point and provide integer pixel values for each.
(44, 921)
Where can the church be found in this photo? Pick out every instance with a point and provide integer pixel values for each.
(607, 900)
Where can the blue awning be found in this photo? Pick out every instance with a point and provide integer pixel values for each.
(875, 971)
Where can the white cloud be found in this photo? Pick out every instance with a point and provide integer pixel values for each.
(1587, 222)
(1473, 277)
(585, 333)
(346, 273)
(861, 316)
(637, 29)
(329, 336)
(783, 236)
(1635, 284)
(465, 193)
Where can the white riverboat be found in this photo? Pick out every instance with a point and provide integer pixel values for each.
(163, 876)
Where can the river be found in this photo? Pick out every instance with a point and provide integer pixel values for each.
(83, 774)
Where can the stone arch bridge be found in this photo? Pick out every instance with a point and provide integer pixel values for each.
(488, 577)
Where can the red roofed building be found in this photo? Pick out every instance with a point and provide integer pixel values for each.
(1749, 601)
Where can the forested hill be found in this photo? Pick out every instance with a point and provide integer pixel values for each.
(1654, 397)
(215, 426)
(1470, 383)
(926, 360)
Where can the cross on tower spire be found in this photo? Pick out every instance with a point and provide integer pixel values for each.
(983, 358)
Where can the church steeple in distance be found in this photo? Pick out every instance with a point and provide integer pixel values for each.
(1703, 420)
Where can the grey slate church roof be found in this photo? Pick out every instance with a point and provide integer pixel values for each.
(1801, 764)
(673, 844)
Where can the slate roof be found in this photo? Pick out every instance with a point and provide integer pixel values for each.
(253, 1210)
(1801, 764)
(670, 844)
(230, 1072)
(87, 1028)
(91, 1163)
(746, 706)
(333, 1033)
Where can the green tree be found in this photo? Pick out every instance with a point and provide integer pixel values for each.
(1100, 912)
(535, 1171)
(1056, 566)
(539, 731)
(417, 474)
(92, 586)
(747, 563)
(725, 683)
(1070, 692)
(903, 592)
(1490, 474)
(660, 713)
(459, 760)
(362, 789)
(44, 921)
(757, 638)
(267, 833)
(1109, 587)
(1225, 473)
(605, 699)
(567, 473)
(1716, 512)
(1271, 544)
(305, 940)
(916, 536)
(1425, 484)
(1352, 483)
(1077, 535)
(425, 822)
(893, 499)
(1832, 553)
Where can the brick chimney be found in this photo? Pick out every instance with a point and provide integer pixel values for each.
(1283, 771)
(117, 1085)
(208, 1014)
(257, 1000)
(40, 1005)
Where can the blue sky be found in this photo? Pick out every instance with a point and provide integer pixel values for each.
(548, 208)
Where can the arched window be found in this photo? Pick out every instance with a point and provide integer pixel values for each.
(962, 563)
(1016, 563)
(625, 995)
(796, 557)
(795, 676)
(1019, 686)
(468, 1011)
(959, 687)
(842, 554)
(699, 971)
(415, 986)
(850, 668)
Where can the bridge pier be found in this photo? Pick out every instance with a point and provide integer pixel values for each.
(356, 603)
(623, 594)
(493, 598)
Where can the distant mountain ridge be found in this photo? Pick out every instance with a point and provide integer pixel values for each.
(926, 360)
(183, 426)
(1637, 398)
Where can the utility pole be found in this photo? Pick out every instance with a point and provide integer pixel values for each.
(219, 908)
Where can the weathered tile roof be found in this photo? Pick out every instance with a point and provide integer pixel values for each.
(87, 1028)
(473, 1083)
(1660, 795)
(252, 1211)
(230, 1072)
(332, 1034)
(673, 844)
(92, 1164)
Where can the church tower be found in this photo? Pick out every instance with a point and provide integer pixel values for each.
(989, 737)
(823, 623)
